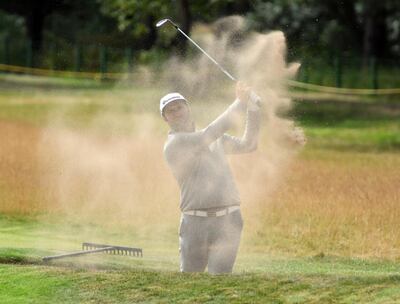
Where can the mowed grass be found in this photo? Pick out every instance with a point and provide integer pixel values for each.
(258, 278)
(325, 229)
(372, 125)
(42, 284)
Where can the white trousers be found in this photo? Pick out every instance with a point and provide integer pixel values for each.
(209, 241)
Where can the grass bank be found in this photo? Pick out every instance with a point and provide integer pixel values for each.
(62, 285)
(259, 277)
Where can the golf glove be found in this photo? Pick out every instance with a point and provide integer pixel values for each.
(254, 102)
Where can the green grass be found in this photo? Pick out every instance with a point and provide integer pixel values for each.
(56, 285)
(372, 126)
(258, 277)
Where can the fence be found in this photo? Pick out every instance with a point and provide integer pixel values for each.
(99, 59)
(66, 56)
(351, 73)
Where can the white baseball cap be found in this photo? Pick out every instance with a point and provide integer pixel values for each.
(170, 98)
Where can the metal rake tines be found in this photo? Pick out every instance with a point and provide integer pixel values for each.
(117, 250)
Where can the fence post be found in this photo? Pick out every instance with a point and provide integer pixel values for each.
(29, 54)
(6, 50)
(338, 71)
(103, 60)
(305, 72)
(374, 70)
(77, 58)
(52, 50)
(129, 58)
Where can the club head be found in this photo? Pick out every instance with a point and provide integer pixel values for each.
(162, 22)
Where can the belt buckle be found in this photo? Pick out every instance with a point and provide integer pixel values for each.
(212, 213)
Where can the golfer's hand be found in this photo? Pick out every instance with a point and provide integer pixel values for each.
(242, 92)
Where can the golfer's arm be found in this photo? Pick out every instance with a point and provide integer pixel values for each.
(214, 130)
(248, 142)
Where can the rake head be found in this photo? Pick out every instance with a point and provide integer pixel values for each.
(118, 250)
(90, 248)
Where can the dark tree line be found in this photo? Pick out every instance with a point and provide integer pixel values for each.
(361, 27)
(34, 13)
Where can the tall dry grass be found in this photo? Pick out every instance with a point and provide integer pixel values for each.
(343, 203)
(19, 168)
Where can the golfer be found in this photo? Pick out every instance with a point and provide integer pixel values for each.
(211, 222)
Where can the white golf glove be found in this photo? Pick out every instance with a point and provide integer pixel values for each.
(254, 102)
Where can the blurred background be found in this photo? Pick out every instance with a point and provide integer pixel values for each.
(339, 43)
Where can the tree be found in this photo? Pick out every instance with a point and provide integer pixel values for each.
(34, 13)
(141, 16)
(354, 27)
(375, 36)
(138, 17)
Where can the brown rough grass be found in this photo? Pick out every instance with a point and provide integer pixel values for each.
(330, 202)
(19, 179)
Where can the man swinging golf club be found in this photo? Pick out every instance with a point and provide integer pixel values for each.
(211, 222)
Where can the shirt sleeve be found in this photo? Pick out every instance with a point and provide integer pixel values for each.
(248, 142)
(216, 129)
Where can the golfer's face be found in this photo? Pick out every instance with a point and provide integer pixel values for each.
(177, 112)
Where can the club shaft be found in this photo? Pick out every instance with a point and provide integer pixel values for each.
(205, 53)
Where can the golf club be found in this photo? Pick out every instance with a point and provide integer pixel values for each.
(163, 21)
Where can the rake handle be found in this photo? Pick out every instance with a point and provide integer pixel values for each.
(74, 254)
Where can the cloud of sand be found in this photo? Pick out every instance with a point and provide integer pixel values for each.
(259, 59)
(123, 176)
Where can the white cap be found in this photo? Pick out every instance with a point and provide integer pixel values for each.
(170, 98)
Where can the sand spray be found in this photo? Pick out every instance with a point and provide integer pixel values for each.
(120, 177)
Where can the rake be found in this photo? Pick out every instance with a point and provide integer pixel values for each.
(89, 248)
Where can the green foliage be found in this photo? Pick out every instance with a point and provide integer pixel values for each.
(324, 28)
(134, 13)
(11, 25)
(12, 28)
(315, 29)
(138, 17)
